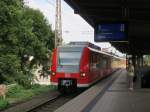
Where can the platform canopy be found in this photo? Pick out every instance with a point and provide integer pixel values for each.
(135, 13)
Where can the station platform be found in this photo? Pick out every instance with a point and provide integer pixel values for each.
(111, 95)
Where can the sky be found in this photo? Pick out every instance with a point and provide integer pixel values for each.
(74, 28)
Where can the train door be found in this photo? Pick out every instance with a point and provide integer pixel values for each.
(95, 65)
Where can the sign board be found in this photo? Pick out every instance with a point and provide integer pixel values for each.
(113, 32)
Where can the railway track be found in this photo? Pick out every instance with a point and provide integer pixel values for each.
(55, 103)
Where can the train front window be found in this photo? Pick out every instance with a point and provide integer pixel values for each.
(68, 58)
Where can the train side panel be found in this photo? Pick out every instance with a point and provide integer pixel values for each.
(53, 78)
(83, 81)
(100, 66)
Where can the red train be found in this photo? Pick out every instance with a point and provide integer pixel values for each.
(79, 64)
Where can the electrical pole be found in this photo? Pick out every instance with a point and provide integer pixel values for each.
(58, 24)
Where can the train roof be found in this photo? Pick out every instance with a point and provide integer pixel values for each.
(85, 44)
(107, 54)
(76, 46)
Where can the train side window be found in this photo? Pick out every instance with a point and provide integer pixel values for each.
(94, 60)
(98, 61)
(91, 60)
(103, 63)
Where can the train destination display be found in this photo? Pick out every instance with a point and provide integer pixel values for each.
(110, 32)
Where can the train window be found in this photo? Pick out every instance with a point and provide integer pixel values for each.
(98, 61)
(102, 63)
(93, 60)
(69, 58)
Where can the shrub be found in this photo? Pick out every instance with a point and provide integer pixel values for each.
(3, 103)
(14, 89)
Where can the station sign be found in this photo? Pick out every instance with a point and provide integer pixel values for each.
(110, 32)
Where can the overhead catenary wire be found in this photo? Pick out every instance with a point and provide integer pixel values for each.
(85, 32)
(51, 3)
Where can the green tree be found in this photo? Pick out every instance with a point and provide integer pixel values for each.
(43, 33)
(24, 32)
(10, 16)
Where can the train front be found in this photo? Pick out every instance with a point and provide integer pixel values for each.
(68, 67)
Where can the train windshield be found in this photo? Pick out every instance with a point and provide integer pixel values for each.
(69, 58)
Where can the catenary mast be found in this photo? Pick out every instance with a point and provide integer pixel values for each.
(58, 24)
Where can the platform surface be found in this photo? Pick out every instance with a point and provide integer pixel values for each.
(111, 95)
(118, 98)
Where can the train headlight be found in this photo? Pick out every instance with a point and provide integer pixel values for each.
(83, 74)
(53, 73)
